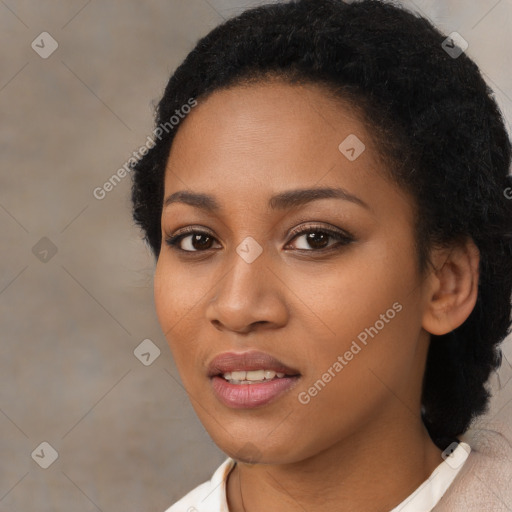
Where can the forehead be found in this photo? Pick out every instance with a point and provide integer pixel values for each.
(253, 139)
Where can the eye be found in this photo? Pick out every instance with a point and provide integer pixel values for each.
(199, 240)
(316, 237)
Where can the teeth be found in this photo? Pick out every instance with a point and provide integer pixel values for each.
(255, 375)
(237, 377)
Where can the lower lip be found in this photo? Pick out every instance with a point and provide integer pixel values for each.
(247, 396)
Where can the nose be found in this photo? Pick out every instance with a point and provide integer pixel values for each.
(248, 296)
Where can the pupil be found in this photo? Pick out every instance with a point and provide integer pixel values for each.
(198, 237)
(317, 239)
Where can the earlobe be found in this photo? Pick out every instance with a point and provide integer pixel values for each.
(452, 288)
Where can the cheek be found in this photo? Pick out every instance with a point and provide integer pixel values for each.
(175, 300)
(368, 305)
(175, 293)
(351, 374)
(165, 304)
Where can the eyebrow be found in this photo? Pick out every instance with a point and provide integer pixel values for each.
(282, 201)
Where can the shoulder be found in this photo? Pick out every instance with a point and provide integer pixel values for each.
(210, 496)
(484, 481)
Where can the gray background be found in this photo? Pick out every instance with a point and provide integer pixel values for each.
(126, 436)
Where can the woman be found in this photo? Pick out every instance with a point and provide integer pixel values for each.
(326, 204)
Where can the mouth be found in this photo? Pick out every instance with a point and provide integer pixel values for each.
(250, 379)
(245, 394)
(249, 366)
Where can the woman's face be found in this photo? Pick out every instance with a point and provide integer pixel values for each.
(343, 315)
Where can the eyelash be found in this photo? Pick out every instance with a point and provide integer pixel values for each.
(343, 238)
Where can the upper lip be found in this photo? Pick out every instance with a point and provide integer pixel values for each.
(247, 361)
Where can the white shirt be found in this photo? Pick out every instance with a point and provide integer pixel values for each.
(210, 496)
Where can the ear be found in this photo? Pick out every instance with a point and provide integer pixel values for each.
(452, 287)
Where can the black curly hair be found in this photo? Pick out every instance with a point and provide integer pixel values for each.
(436, 124)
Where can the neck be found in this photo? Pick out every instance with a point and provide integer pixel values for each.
(367, 472)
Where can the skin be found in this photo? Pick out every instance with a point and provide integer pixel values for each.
(360, 444)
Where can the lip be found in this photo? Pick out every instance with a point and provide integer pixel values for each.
(247, 396)
(247, 361)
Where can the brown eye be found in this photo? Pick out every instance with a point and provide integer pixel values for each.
(199, 241)
(316, 238)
